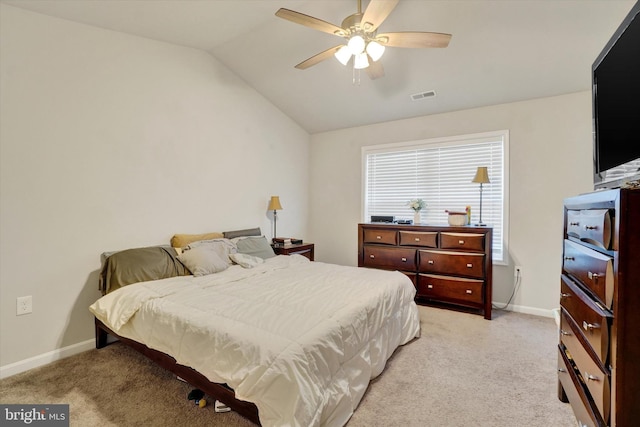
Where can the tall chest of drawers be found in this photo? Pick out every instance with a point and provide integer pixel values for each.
(599, 341)
(448, 265)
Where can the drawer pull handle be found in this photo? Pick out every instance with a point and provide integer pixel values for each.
(591, 377)
(569, 258)
(417, 239)
(565, 333)
(593, 276)
(469, 291)
(378, 237)
(372, 256)
(430, 286)
(430, 262)
(469, 265)
(404, 260)
(562, 370)
(461, 242)
(564, 295)
(589, 326)
(590, 227)
(574, 224)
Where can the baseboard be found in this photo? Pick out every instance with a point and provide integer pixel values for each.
(526, 310)
(45, 359)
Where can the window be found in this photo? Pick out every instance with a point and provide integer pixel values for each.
(440, 171)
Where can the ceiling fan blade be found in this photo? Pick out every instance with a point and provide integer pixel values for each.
(375, 70)
(318, 58)
(414, 39)
(310, 21)
(376, 12)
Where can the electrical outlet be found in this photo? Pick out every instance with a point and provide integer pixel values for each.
(24, 305)
(517, 272)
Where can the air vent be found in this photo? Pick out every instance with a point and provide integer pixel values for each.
(423, 95)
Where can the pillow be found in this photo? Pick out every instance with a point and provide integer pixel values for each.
(139, 265)
(245, 260)
(223, 247)
(182, 240)
(242, 233)
(256, 246)
(203, 260)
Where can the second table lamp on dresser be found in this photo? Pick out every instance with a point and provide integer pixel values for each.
(482, 177)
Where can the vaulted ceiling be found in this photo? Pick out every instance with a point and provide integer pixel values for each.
(501, 50)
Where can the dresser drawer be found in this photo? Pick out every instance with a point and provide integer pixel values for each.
(386, 237)
(593, 319)
(590, 267)
(454, 263)
(454, 288)
(417, 238)
(594, 378)
(389, 258)
(467, 241)
(586, 415)
(590, 225)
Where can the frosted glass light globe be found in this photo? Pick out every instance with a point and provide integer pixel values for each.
(356, 45)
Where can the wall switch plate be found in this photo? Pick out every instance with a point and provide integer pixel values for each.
(24, 305)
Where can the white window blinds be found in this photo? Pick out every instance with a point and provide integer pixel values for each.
(440, 172)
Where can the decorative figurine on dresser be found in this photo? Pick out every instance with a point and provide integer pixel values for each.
(449, 265)
(599, 344)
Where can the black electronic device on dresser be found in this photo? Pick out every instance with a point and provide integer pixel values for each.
(616, 106)
(599, 341)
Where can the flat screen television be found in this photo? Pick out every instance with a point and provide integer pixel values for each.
(616, 106)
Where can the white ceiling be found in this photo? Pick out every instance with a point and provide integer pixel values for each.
(501, 50)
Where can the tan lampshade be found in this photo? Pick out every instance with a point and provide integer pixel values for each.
(482, 176)
(274, 204)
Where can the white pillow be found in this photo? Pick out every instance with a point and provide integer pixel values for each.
(203, 260)
(246, 260)
(223, 247)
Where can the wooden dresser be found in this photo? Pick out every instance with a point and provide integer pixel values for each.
(599, 341)
(448, 265)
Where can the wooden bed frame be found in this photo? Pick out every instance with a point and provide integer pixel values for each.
(221, 392)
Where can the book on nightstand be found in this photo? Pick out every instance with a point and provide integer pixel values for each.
(286, 241)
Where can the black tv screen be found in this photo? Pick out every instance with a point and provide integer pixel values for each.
(616, 105)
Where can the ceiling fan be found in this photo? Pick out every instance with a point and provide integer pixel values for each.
(364, 44)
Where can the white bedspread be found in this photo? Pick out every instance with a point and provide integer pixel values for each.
(299, 339)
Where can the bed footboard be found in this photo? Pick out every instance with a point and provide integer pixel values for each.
(221, 392)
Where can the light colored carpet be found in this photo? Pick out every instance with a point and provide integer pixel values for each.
(463, 371)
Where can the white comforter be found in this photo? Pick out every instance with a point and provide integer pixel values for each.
(299, 339)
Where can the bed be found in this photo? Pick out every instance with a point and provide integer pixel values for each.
(280, 339)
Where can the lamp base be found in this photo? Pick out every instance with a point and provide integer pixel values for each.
(480, 224)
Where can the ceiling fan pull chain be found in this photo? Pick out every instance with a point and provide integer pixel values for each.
(356, 76)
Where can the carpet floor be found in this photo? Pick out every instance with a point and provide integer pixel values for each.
(462, 371)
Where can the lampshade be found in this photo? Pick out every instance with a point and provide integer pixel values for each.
(274, 204)
(361, 61)
(375, 50)
(482, 176)
(343, 55)
(356, 45)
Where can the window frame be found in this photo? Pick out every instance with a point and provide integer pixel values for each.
(443, 142)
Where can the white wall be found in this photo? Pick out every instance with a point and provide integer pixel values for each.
(110, 141)
(550, 159)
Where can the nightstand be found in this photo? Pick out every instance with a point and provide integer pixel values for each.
(304, 249)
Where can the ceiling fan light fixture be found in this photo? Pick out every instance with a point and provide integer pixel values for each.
(375, 50)
(343, 55)
(356, 44)
(361, 61)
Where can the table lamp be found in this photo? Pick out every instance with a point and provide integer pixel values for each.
(482, 177)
